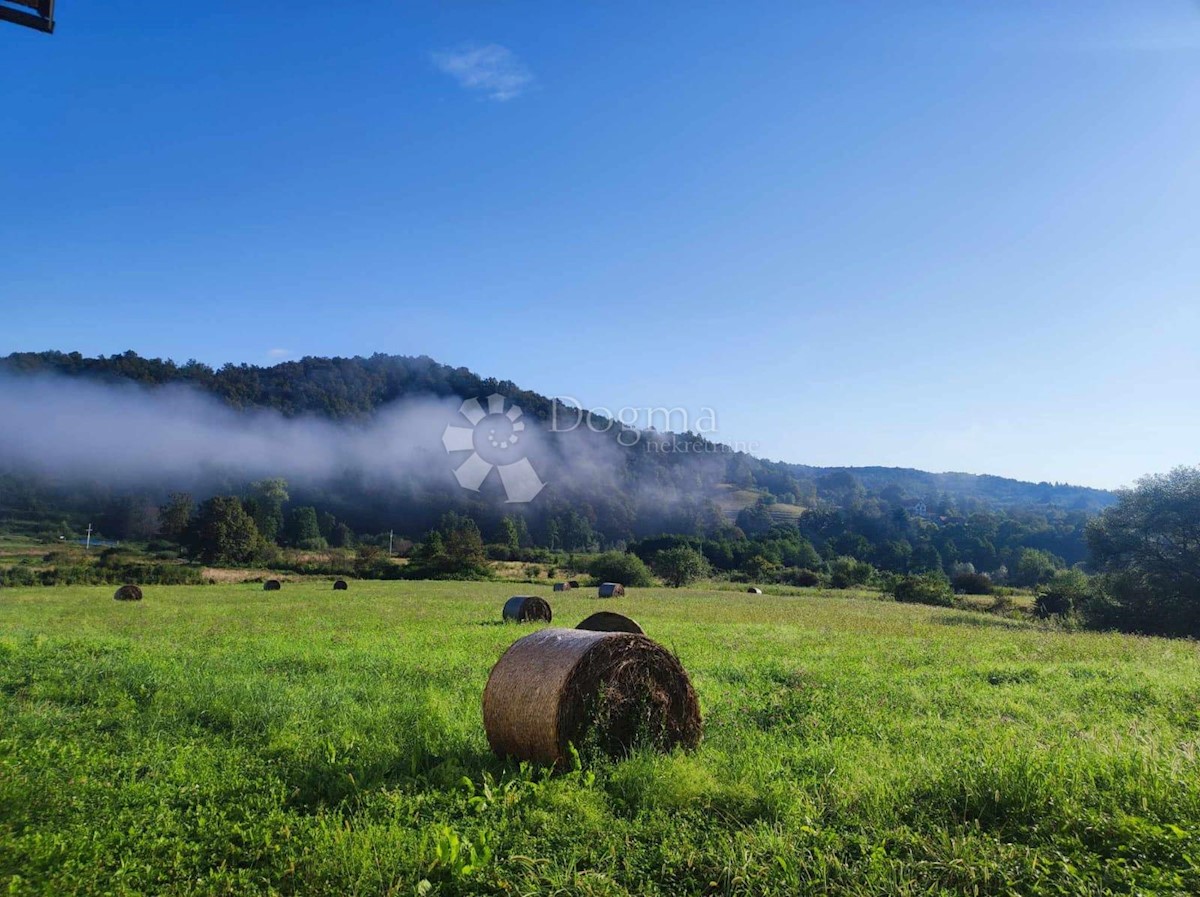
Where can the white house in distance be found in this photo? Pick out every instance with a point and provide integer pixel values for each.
(919, 509)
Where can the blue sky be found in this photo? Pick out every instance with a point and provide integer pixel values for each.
(953, 236)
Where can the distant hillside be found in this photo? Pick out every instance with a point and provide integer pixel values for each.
(353, 389)
(998, 492)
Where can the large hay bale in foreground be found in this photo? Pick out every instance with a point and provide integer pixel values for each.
(128, 593)
(607, 621)
(609, 691)
(611, 590)
(272, 585)
(527, 609)
(340, 586)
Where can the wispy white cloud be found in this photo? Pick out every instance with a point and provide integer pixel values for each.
(279, 353)
(489, 69)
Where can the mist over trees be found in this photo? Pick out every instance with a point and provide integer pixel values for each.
(743, 516)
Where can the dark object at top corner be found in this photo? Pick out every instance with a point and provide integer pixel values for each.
(41, 19)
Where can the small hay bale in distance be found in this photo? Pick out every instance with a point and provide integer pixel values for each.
(272, 585)
(128, 593)
(573, 583)
(563, 587)
(340, 586)
(526, 609)
(753, 591)
(612, 590)
(606, 690)
(607, 621)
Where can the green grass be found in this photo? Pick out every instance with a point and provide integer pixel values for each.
(223, 740)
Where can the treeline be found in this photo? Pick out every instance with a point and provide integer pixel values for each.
(1021, 546)
(354, 388)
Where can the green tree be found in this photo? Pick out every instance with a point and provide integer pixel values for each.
(618, 566)
(372, 562)
(754, 520)
(1067, 591)
(175, 515)
(928, 588)
(303, 530)
(269, 497)
(758, 567)
(680, 566)
(454, 551)
(510, 534)
(464, 549)
(326, 523)
(845, 572)
(342, 536)
(223, 533)
(1147, 547)
(1035, 567)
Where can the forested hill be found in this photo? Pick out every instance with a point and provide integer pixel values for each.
(354, 388)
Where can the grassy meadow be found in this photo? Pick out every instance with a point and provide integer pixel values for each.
(223, 740)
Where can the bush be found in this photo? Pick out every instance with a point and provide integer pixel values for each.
(1065, 593)
(680, 566)
(616, 566)
(924, 589)
(846, 571)
(86, 574)
(972, 584)
(798, 576)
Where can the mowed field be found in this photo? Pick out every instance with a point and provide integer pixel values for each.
(223, 740)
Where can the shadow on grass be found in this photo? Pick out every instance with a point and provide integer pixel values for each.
(320, 783)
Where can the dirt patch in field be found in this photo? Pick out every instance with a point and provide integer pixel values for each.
(217, 574)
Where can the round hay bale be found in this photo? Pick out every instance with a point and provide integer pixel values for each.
(753, 591)
(573, 583)
(607, 621)
(609, 691)
(612, 590)
(526, 609)
(561, 587)
(340, 586)
(272, 585)
(128, 593)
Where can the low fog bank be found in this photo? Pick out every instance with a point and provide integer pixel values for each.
(133, 436)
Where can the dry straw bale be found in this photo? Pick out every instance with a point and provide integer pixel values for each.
(611, 590)
(607, 621)
(128, 593)
(272, 585)
(606, 691)
(527, 609)
(340, 586)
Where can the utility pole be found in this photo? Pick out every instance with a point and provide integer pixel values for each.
(89, 538)
(391, 533)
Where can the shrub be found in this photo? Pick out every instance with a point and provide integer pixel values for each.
(616, 566)
(972, 584)
(924, 589)
(798, 576)
(1066, 592)
(680, 566)
(846, 571)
